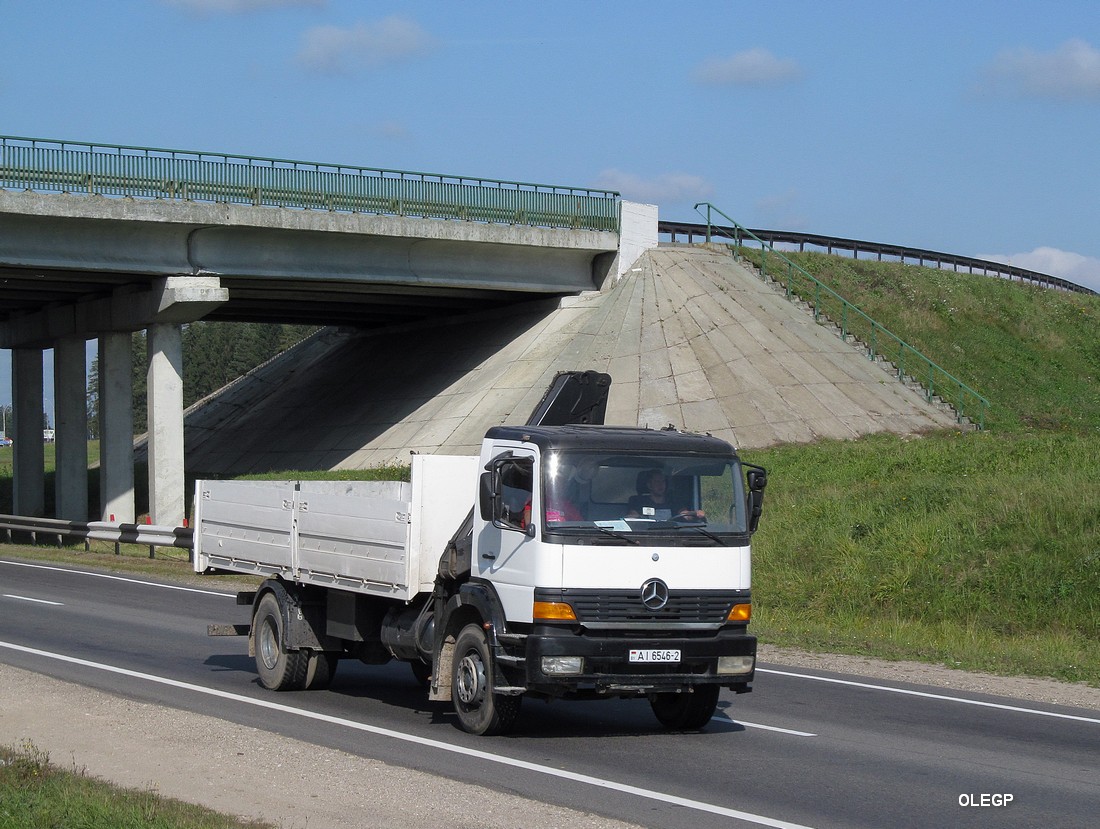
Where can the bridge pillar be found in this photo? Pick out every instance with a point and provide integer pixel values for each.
(28, 468)
(70, 429)
(116, 428)
(165, 385)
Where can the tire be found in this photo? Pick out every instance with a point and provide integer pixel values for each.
(686, 711)
(320, 670)
(479, 710)
(279, 670)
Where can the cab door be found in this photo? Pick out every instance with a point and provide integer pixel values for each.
(509, 553)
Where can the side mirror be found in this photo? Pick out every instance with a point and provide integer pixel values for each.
(487, 496)
(757, 478)
(506, 483)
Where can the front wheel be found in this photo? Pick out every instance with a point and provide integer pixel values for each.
(686, 711)
(480, 711)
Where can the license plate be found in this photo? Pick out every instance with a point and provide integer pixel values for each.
(637, 655)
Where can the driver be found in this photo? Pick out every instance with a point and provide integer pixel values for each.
(652, 499)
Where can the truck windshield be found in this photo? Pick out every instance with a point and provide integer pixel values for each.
(589, 493)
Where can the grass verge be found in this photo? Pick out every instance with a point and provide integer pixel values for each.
(978, 551)
(35, 794)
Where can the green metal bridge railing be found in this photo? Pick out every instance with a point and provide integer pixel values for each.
(829, 305)
(143, 172)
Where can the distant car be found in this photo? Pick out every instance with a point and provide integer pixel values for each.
(5, 441)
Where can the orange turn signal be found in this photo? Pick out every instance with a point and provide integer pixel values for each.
(553, 612)
(740, 613)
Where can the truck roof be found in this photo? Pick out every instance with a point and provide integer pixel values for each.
(613, 438)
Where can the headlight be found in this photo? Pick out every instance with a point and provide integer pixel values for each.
(563, 665)
(735, 664)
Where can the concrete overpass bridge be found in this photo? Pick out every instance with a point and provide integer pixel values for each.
(97, 242)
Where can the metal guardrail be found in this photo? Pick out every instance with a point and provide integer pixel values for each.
(831, 244)
(852, 322)
(147, 535)
(50, 165)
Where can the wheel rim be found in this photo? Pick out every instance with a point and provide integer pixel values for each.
(269, 644)
(471, 679)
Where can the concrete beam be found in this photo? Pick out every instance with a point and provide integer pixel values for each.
(122, 218)
(170, 299)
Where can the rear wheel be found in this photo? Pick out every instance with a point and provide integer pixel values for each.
(686, 711)
(320, 669)
(480, 711)
(279, 670)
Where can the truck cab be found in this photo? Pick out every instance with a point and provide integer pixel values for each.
(606, 562)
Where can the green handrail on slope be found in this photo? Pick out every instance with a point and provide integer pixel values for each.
(881, 343)
(145, 172)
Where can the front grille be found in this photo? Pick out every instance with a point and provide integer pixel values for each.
(625, 606)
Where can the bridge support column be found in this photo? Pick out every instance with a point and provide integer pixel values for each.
(70, 429)
(165, 385)
(116, 428)
(28, 469)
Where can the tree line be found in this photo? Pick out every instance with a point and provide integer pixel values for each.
(214, 354)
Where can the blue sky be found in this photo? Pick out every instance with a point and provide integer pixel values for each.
(964, 127)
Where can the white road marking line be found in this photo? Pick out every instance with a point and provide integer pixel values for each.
(29, 599)
(746, 724)
(117, 578)
(585, 779)
(944, 697)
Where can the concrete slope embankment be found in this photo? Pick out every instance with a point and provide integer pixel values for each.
(689, 337)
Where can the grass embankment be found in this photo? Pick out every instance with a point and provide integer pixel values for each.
(35, 794)
(979, 550)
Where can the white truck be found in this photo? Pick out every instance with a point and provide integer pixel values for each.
(569, 576)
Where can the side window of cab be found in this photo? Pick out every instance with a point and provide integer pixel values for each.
(516, 483)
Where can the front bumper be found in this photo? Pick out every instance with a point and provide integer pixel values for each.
(607, 669)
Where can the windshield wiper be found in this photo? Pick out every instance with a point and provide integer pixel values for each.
(700, 528)
(614, 534)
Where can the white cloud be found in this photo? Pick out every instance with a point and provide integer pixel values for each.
(363, 46)
(1082, 270)
(669, 187)
(754, 67)
(781, 211)
(236, 6)
(1070, 72)
(393, 131)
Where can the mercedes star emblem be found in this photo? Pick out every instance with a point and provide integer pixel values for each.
(654, 594)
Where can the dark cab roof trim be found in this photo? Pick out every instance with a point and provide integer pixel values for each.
(614, 439)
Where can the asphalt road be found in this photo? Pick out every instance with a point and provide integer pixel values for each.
(806, 748)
